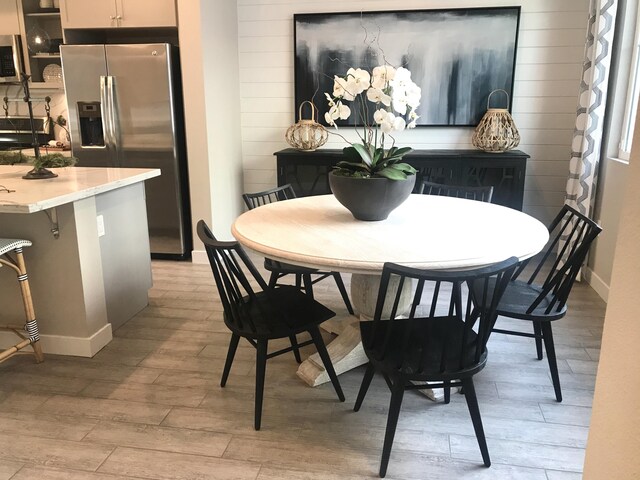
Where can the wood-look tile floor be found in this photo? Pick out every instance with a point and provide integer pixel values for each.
(149, 405)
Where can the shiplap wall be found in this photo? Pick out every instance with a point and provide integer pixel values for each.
(549, 61)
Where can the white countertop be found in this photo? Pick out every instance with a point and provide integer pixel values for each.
(426, 232)
(72, 183)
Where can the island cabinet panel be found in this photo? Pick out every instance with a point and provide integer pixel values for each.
(308, 172)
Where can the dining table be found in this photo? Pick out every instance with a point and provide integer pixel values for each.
(426, 231)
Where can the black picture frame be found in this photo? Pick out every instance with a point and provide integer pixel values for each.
(456, 55)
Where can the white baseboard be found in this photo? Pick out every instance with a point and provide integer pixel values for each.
(62, 345)
(200, 257)
(597, 283)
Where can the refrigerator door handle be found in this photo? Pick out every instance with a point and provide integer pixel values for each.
(105, 108)
(113, 113)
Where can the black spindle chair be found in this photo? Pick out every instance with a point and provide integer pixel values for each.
(482, 194)
(278, 270)
(431, 344)
(261, 314)
(542, 299)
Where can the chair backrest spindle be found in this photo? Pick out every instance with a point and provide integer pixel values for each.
(453, 335)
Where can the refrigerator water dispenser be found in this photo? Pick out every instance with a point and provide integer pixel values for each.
(91, 132)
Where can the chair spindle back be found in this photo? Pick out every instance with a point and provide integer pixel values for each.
(437, 337)
(255, 200)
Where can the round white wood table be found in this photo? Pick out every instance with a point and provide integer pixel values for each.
(426, 231)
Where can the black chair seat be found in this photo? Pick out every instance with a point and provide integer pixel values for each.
(278, 313)
(519, 296)
(286, 268)
(428, 340)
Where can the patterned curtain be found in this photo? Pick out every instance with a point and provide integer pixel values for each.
(587, 137)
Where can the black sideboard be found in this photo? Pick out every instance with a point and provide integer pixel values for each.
(307, 171)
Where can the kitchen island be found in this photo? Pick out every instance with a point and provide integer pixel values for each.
(89, 266)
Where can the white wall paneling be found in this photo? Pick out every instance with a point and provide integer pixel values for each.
(549, 58)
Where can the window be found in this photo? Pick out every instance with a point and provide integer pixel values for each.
(631, 103)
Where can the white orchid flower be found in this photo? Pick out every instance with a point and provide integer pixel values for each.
(400, 104)
(387, 122)
(399, 124)
(329, 99)
(376, 95)
(329, 120)
(342, 89)
(379, 116)
(359, 79)
(413, 94)
(382, 75)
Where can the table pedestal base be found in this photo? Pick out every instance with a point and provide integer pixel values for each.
(346, 351)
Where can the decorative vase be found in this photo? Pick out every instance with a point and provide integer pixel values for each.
(306, 134)
(370, 199)
(497, 131)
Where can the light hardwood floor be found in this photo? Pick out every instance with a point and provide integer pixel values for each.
(149, 405)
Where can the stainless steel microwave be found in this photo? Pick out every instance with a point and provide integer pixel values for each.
(10, 59)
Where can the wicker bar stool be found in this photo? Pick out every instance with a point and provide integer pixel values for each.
(11, 256)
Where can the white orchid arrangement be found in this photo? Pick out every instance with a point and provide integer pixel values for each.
(396, 98)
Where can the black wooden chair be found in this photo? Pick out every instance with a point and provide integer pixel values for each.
(278, 270)
(440, 347)
(482, 194)
(262, 314)
(545, 301)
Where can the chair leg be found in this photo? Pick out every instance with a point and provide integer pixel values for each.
(233, 345)
(326, 360)
(474, 411)
(31, 326)
(296, 350)
(308, 284)
(392, 422)
(364, 387)
(298, 281)
(273, 279)
(537, 331)
(547, 336)
(261, 366)
(343, 291)
(447, 393)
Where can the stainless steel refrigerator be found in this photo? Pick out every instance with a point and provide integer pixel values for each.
(125, 110)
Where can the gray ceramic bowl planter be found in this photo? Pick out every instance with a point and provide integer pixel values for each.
(370, 199)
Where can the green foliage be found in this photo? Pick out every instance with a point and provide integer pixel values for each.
(11, 157)
(365, 162)
(53, 160)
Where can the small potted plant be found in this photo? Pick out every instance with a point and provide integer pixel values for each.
(373, 180)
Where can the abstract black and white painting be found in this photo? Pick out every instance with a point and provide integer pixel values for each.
(456, 56)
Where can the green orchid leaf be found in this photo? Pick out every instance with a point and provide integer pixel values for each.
(352, 165)
(392, 173)
(351, 154)
(364, 154)
(398, 153)
(377, 156)
(405, 167)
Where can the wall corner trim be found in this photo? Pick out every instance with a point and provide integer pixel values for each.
(597, 283)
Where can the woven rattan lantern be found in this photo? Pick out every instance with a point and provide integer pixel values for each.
(496, 132)
(307, 134)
